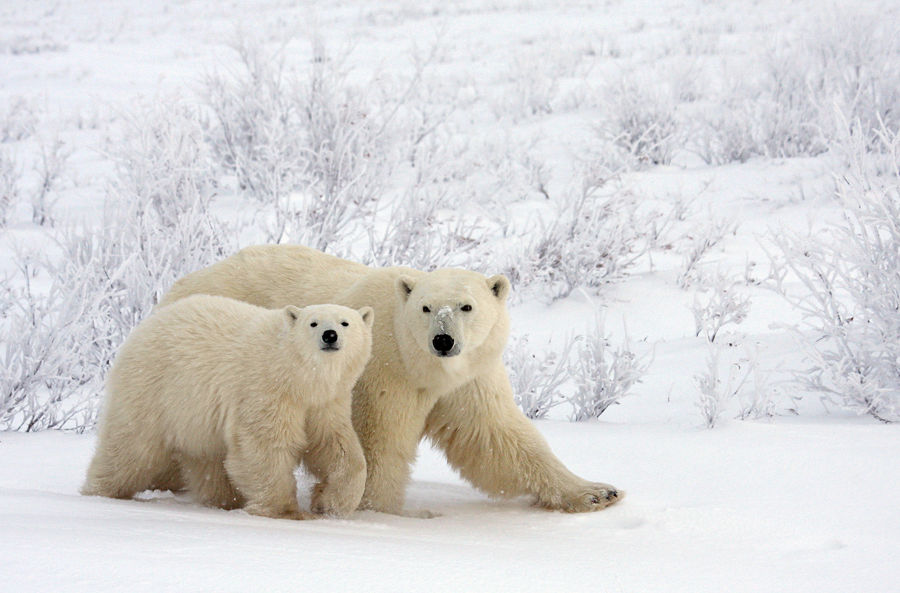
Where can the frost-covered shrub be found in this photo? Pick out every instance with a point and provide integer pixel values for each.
(854, 56)
(641, 120)
(9, 186)
(716, 391)
(759, 401)
(846, 61)
(722, 304)
(702, 239)
(100, 280)
(603, 374)
(17, 121)
(39, 376)
(422, 231)
(305, 144)
(49, 169)
(593, 239)
(849, 275)
(163, 164)
(536, 378)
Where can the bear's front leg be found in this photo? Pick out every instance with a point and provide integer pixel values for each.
(389, 424)
(334, 456)
(264, 474)
(496, 448)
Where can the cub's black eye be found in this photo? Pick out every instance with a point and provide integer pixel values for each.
(466, 308)
(426, 310)
(344, 323)
(313, 324)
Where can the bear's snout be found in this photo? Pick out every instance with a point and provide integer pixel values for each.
(443, 344)
(329, 340)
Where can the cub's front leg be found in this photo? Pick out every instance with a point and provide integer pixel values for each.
(334, 456)
(262, 470)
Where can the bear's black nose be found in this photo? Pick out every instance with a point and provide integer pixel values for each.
(329, 336)
(442, 342)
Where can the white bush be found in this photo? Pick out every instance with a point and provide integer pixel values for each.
(315, 150)
(105, 278)
(9, 186)
(49, 169)
(593, 239)
(715, 391)
(17, 121)
(536, 378)
(603, 374)
(641, 120)
(850, 296)
(721, 304)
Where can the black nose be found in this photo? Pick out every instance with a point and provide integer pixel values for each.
(442, 342)
(329, 336)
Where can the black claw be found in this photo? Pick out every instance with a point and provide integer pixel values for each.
(612, 494)
(595, 499)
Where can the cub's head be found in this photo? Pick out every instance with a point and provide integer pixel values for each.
(451, 312)
(332, 329)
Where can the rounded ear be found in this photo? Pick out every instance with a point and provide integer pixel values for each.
(368, 315)
(499, 286)
(292, 313)
(405, 286)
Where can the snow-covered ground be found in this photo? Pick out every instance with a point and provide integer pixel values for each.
(750, 507)
(507, 106)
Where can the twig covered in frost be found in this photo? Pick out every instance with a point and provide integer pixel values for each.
(760, 403)
(714, 392)
(536, 377)
(9, 186)
(702, 240)
(603, 375)
(49, 169)
(723, 304)
(17, 121)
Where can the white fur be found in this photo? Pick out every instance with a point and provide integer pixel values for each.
(228, 398)
(462, 401)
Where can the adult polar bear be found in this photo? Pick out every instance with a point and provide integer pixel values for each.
(436, 370)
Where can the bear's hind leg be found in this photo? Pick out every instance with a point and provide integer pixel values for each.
(170, 478)
(209, 484)
(122, 469)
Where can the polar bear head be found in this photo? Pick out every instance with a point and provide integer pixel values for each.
(450, 312)
(328, 330)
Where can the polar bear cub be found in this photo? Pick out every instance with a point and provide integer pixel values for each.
(233, 397)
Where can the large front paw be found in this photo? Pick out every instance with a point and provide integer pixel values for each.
(282, 511)
(329, 500)
(591, 496)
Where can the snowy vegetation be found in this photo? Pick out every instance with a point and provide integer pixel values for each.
(557, 171)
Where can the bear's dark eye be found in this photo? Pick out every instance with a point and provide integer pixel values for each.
(466, 308)
(344, 323)
(426, 310)
(313, 324)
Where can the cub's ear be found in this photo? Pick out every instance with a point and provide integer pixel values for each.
(368, 315)
(405, 285)
(292, 313)
(499, 285)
